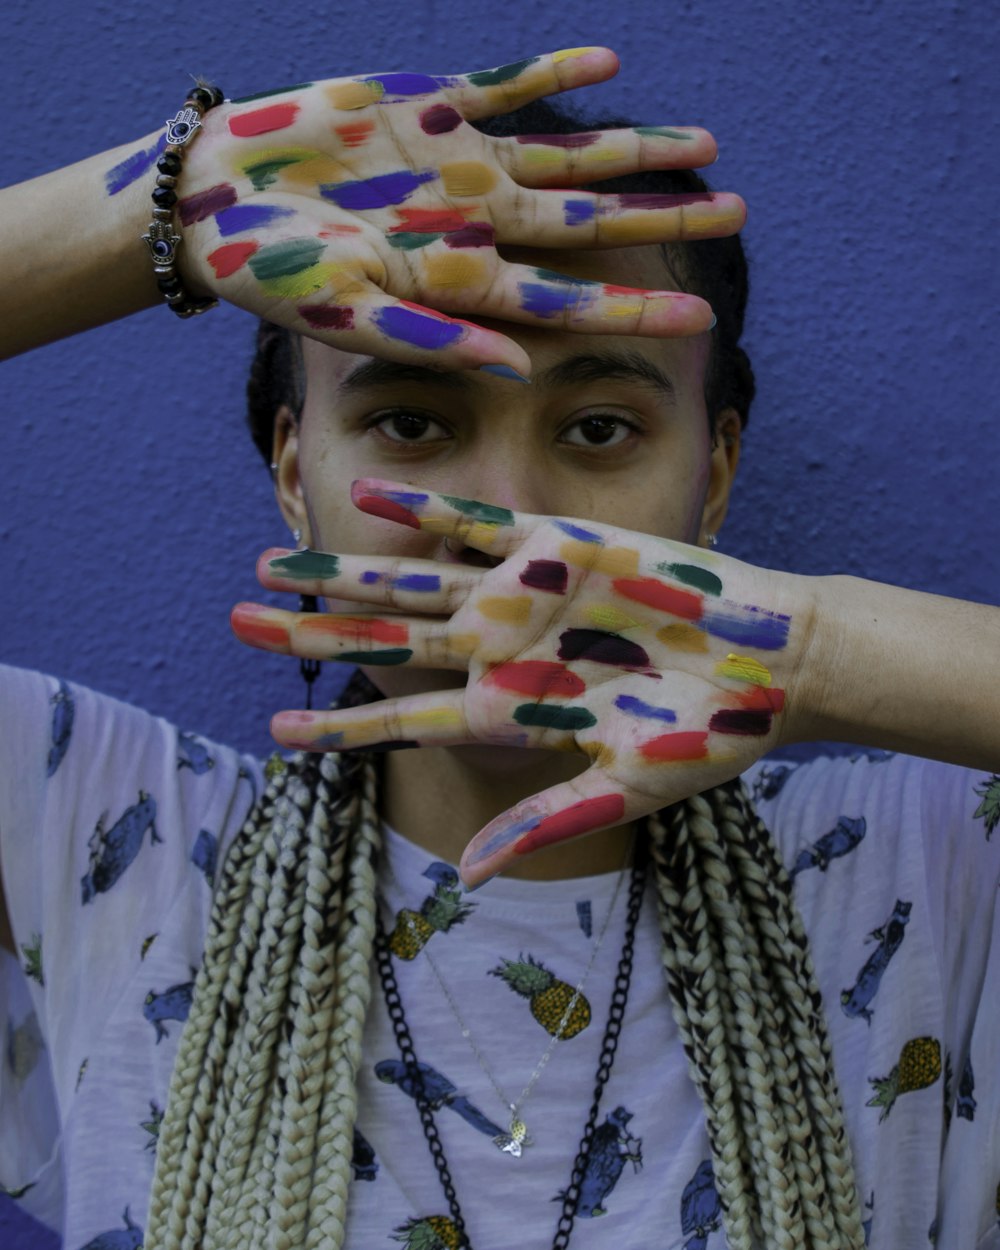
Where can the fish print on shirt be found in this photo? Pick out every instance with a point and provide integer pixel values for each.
(63, 712)
(611, 1147)
(363, 1158)
(856, 1001)
(701, 1210)
(439, 912)
(846, 834)
(128, 1238)
(192, 753)
(437, 1091)
(965, 1108)
(204, 854)
(170, 1004)
(112, 850)
(770, 781)
(988, 810)
(584, 913)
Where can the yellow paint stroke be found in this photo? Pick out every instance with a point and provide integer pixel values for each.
(359, 731)
(305, 282)
(467, 178)
(744, 668)
(475, 533)
(625, 230)
(319, 166)
(506, 609)
(615, 561)
(315, 169)
(571, 54)
(540, 157)
(683, 637)
(463, 645)
(622, 308)
(454, 270)
(698, 224)
(599, 754)
(354, 95)
(607, 616)
(442, 719)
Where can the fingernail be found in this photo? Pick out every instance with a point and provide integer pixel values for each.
(471, 889)
(714, 322)
(505, 371)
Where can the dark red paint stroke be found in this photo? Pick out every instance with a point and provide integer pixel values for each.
(440, 119)
(327, 316)
(732, 720)
(582, 139)
(206, 203)
(354, 134)
(675, 747)
(656, 594)
(582, 817)
(601, 647)
(538, 678)
(263, 121)
(761, 699)
(474, 234)
(551, 575)
(651, 200)
(362, 628)
(226, 260)
(375, 505)
(428, 220)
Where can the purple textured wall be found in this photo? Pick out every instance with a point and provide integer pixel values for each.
(864, 138)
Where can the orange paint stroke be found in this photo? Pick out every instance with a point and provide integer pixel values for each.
(357, 628)
(675, 747)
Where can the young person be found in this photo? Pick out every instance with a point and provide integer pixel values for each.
(524, 572)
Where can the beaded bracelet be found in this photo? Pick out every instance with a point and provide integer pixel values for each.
(161, 237)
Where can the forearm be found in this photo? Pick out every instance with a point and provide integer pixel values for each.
(904, 671)
(71, 255)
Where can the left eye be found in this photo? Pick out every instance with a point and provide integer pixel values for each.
(601, 430)
(406, 426)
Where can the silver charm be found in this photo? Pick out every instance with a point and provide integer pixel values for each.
(162, 242)
(182, 126)
(516, 1140)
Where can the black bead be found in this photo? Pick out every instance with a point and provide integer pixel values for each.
(163, 197)
(169, 286)
(201, 96)
(217, 96)
(169, 163)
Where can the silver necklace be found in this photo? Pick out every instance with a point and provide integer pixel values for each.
(517, 1138)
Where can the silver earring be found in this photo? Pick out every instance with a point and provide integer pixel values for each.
(274, 467)
(297, 537)
(711, 539)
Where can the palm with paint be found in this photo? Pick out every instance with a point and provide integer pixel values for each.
(665, 665)
(350, 210)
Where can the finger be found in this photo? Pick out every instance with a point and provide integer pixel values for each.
(384, 641)
(584, 805)
(422, 720)
(487, 527)
(558, 160)
(422, 586)
(485, 93)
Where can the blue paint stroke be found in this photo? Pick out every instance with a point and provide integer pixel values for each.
(369, 578)
(648, 711)
(405, 84)
(132, 167)
(576, 212)
(414, 328)
(578, 532)
(749, 627)
(379, 192)
(249, 217)
(417, 581)
(550, 301)
(503, 838)
(412, 499)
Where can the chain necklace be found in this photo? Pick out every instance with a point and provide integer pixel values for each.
(609, 1045)
(517, 1138)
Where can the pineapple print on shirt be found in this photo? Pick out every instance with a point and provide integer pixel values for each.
(919, 1067)
(438, 913)
(560, 1009)
(433, 1232)
(988, 810)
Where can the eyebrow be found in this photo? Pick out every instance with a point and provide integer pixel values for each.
(596, 366)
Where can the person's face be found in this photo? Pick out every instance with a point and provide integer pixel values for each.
(612, 429)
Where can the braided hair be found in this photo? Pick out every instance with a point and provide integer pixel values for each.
(256, 1145)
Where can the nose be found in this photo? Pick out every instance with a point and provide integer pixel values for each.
(508, 476)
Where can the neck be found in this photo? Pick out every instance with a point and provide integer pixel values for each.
(440, 798)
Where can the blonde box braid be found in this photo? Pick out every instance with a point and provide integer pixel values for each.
(256, 1145)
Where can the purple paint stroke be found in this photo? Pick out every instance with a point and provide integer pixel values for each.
(550, 575)
(601, 647)
(205, 204)
(550, 301)
(404, 84)
(370, 578)
(428, 333)
(249, 217)
(417, 581)
(475, 234)
(440, 119)
(502, 838)
(648, 711)
(749, 627)
(650, 200)
(578, 532)
(132, 167)
(580, 139)
(382, 191)
(576, 212)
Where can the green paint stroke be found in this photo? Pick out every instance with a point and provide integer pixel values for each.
(410, 240)
(692, 575)
(265, 95)
(661, 132)
(551, 275)
(394, 655)
(264, 173)
(478, 511)
(281, 260)
(503, 73)
(543, 716)
(306, 564)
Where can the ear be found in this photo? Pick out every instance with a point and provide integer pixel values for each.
(722, 472)
(287, 480)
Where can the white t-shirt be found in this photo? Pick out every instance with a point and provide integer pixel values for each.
(110, 824)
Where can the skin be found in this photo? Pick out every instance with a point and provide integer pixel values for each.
(518, 447)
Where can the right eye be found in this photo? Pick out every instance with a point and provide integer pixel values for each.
(408, 425)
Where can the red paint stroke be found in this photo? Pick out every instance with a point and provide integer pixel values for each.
(430, 220)
(331, 232)
(358, 628)
(227, 259)
(253, 624)
(582, 817)
(475, 234)
(609, 288)
(761, 699)
(732, 720)
(538, 678)
(440, 119)
(675, 747)
(206, 203)
(263, 121)
(431, 312)
(550, 575)
(327, 316)
(655, 594)
(581, 139)
(355, 134)
(375, 505)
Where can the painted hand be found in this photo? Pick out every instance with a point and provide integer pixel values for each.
(669, 667)
(351, 210)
